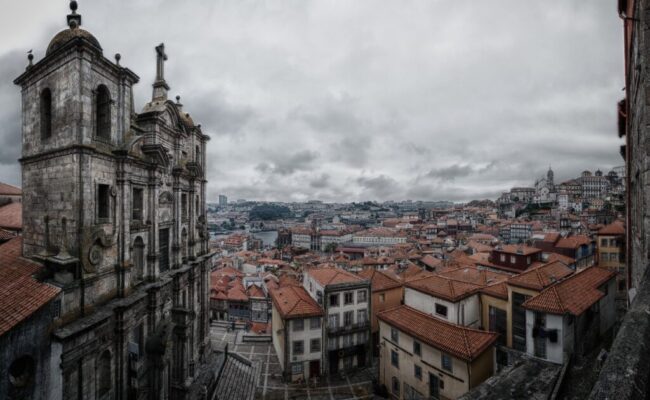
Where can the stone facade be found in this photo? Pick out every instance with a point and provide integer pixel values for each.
(114, 206)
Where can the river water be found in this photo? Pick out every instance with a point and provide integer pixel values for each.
(268, 237)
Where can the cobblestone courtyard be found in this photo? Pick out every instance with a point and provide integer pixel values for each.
(270, 386)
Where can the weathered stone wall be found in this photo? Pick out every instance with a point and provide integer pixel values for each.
(639, 143)
(29, 338)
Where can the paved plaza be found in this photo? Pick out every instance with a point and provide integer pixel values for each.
(270, 386)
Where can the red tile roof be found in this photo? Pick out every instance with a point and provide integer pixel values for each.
(517, 249)
(573, 242)
(464, 343)
(20, 294)
(379, 280)
(442, 287)
(560, 257)
(573, 295)
(332, 276)
(11, 216)
(541, 277)
(431, 261)
(6, 235)
(615, 228)
(499, 290)
(295, 302)
(476, 276)
(255, 291)
(236, 293)
(9, 190)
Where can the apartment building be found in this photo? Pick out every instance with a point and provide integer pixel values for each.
(345, 298)
(297, 321)
(422, 356)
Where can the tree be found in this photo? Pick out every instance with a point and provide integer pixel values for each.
(331, 247)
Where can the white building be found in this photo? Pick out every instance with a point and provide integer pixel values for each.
(571, 316)
(345, 298)
(447, 299)
(297, 322)
(379, 236)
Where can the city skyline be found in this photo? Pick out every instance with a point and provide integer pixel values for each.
(349, 103)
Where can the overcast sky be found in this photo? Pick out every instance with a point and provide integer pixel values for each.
(359, 100)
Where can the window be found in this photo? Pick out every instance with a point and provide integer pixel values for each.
(362, 316)
(314, 323)
(21, 371)
(184, 205)
(382, 298)
(394, 335)
(104, 374)
(197, 208)
(298, 325)
(362, 296)
(417, 348)
(296, 368)
(394, 359)
(446, 362)
(103, 113)
(441, 310)
(347, 340)
(513, 259)
(314, 346)
(333, 321)
(298, 347)
(136, 205)
(349, 298)
(46, 114)
(348, 318)
(103, 201)
(418, 372)
(138, 257)
(503, 258)
(334, 300)
(395, 386)
(332, 343)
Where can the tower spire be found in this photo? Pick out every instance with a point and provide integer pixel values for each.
(160, 86)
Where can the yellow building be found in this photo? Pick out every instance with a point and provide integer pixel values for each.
(424, 357)
(610, 250)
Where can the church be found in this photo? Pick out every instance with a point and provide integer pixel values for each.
(114, 214)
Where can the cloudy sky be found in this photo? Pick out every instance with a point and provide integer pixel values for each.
(364, 99)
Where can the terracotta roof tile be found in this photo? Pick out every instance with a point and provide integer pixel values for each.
(295, 302)
(615, 228)
(541, 277)
(9, 190)
(379, 280)
(20, 294)
(518, 249)
(460, 342)
(573, 295)
(332, 276)
(573, 242)
(442, 287)
(11, 216)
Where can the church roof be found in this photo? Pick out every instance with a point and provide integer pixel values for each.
(66, 35)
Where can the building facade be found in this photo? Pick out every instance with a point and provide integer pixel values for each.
(114, 206)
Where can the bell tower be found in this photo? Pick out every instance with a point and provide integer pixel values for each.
(76, 112)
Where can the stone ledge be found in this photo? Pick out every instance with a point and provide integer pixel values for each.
(625, 374)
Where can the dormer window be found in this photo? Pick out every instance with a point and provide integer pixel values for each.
(103, 113)
(46, 114)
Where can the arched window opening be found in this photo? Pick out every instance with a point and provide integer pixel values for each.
(184, 245)
(46, 114)
(198, 155)
(138, 258)
(21, 371)
(104, 380)
(103, 113)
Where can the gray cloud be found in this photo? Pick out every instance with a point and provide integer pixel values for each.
(361, 100)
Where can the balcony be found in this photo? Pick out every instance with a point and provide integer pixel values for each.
(349, 328)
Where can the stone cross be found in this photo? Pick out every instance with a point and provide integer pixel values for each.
(161, 57)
